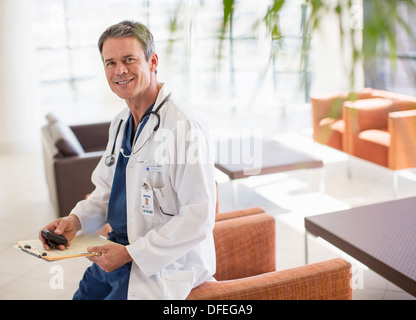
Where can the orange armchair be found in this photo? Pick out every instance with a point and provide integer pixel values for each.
(328, 123)
(374, 125)
(382, 129)
(246, 267)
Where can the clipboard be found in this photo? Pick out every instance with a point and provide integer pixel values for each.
(78, 247)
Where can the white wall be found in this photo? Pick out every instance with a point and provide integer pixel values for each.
(19, 124)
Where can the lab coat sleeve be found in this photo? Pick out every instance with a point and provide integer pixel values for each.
(194, 183)
(92, 212)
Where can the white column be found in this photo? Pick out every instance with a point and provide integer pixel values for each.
(19, 115)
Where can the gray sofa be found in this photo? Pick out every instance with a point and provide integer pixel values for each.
(70, 155)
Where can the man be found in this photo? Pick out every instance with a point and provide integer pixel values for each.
(159, 197)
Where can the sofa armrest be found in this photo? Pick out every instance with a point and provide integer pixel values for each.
(245, 246)
(402, 129)
(328, 280)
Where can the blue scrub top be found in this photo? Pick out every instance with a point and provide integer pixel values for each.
(117, 208)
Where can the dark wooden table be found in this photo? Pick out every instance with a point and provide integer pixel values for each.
(382, 236)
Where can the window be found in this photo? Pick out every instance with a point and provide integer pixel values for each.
(72, 77)
(380, 74)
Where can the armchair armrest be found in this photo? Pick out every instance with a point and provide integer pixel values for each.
(237, 213)
(326, 106)
(402, 129)
(328, 280)
(245, 246)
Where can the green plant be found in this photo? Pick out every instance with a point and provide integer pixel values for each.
(366, 42)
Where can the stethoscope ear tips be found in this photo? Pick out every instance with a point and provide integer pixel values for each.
(110, 160)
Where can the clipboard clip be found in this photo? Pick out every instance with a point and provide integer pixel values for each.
(39, 253)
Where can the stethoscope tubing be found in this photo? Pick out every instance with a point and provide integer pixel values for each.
(111, 159)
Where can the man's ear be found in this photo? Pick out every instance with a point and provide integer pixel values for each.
(153, 62)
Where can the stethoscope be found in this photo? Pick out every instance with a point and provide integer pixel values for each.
(110, 160)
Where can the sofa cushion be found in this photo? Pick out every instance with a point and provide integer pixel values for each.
(64, 139)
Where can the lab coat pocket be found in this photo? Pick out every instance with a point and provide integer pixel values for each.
(165, 199)
(177, 284)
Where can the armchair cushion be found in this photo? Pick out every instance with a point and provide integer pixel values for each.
(62, 137)
(65, 140)
(373, 145)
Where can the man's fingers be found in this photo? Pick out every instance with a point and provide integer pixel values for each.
(61, 227)
(97, 249)
(60, 247)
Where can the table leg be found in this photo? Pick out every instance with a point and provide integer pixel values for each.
(322, 180)
(306, 248)
(395, 182)
(349, 167)
(234, 184)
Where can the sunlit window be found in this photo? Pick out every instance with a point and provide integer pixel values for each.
(246, 80)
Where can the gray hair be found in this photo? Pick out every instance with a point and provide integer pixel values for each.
(129, 28)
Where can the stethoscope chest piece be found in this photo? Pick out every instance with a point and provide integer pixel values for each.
(110, 160)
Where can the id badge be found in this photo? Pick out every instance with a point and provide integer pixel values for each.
(147, 200)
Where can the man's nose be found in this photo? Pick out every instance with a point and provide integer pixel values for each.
(121, 69)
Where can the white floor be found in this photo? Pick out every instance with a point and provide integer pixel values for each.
(289, 197)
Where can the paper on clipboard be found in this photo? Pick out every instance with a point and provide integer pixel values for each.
(78, 247)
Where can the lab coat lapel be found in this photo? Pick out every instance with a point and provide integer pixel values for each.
(145, 133)
(152, 122)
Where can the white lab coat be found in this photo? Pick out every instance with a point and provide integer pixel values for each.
(173, 251)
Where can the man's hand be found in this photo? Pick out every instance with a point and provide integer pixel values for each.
(67, 227)
(112, 256)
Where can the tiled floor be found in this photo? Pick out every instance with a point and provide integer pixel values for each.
(25, 208)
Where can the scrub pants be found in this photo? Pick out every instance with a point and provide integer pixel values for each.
(100, 285)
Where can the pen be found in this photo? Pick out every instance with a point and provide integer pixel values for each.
(91, 253)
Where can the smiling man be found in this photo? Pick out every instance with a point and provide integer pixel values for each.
(161, 214)
(130, 66)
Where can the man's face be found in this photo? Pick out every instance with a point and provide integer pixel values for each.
(127, 71)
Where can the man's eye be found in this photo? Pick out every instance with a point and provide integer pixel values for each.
(109, 64)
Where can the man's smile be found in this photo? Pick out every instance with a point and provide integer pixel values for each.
(124, 81)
